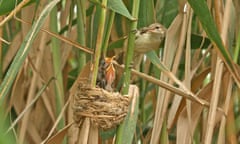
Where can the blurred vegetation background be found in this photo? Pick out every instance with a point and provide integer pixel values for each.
(192, 95)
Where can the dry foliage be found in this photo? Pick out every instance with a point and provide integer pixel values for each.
(196, 100)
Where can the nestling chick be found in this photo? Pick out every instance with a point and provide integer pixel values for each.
(106, 74)
(110, 73)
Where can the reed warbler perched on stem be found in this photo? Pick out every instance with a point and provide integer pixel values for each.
(147, 39)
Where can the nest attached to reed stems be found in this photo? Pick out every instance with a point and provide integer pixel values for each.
(104, 109)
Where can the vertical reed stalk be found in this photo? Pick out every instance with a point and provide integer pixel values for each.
(56, 54)
(81, 24)
(108, 32)
(99, 43)
(127, 71)
(93, 135)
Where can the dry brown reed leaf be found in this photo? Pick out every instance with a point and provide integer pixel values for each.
(150, 97)
(73, 132)
(232, 136)
(66, 49)
(185, 36)
(32, 132)
(65, 13)
(62, 38)
(18, 94)
(46, 72)
(198, 79)
(227, 93)
(223, 25)
(93, 135)
(204, 93)
(171, 45)
(66, 54)
(188, 71)
(79, 135)
(43, 107)
(196, 57)
(35, 129)
(84, 132)
(71, 33)
(54, 126)
(214, 101)
(84, 77)
(183, 135)
(59, 136)
(12, 50)
(39, 121)
(35, 78)
(199, 63)
(175, 111)
(228, 81)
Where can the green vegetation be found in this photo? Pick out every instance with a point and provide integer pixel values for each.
(186, 91)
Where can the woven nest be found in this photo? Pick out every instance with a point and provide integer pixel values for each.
(104, 109)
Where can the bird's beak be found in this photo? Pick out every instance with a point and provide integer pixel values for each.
(151, 29)
(109, 59)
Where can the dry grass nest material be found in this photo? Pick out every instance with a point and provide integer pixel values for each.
(105, 109)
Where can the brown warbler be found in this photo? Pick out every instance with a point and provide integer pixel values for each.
(149, 38)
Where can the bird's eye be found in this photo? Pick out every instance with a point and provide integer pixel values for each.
(157, 27)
